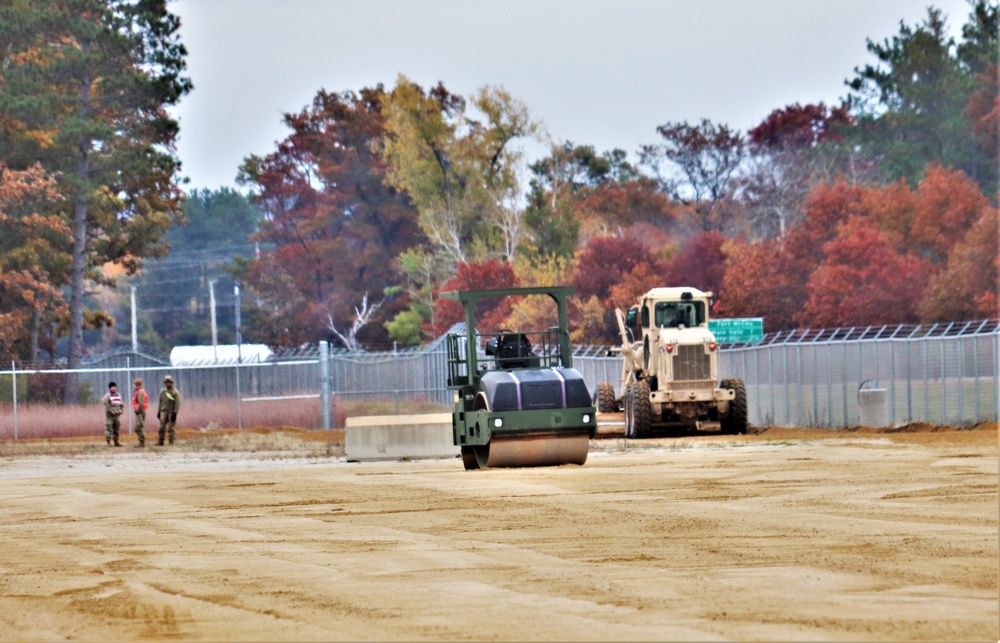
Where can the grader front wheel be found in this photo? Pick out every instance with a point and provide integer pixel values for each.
(638, 409)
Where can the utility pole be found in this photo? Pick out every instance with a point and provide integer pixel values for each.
(135, 330)
(239, 329)
(215, 328)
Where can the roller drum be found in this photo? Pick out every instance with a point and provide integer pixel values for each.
(534, 451)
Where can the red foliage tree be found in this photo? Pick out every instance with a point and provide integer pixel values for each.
(864, 280)
(491, 313)
(763, 280)
(335, 224)
(701, 263)
(800, 126)
(603, 263)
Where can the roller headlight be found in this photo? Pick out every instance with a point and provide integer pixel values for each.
(586, 418)
(498, 422)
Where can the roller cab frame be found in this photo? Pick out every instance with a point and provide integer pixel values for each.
(518, 400)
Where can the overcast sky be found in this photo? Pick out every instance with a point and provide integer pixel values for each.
(598, 72)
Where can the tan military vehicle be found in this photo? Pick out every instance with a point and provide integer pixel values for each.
(670, 368)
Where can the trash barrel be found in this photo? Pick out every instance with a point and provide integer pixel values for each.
(873, 404)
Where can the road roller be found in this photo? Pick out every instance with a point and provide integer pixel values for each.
(518, 400)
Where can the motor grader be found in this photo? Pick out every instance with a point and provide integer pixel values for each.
(670, 368)
(518, 400)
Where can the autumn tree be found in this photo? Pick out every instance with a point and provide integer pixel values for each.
(462, 173)
(599, 266)
(84, 90)
(790, 151)
(967, 286)
(559, 181)
(699, 263)
(769, 279)
(707, 157)
(33, 256)
(763, 279)
(491, 313)
(864, 280)
(333, 226)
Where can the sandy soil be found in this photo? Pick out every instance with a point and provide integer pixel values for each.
(789, 535)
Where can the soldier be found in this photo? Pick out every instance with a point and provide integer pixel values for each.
(114, 406)
(170, 404)
(140, 402)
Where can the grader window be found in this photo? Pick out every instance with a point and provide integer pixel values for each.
(672, 314)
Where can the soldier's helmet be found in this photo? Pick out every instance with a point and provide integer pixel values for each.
(168, 379)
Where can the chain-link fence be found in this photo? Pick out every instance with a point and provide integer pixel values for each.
(940, 374)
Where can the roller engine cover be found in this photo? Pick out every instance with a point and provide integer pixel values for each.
(535, 389)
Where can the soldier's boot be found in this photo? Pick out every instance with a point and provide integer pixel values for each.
(108, 440)
(117, 443)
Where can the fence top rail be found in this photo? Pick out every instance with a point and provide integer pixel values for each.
(310, 354)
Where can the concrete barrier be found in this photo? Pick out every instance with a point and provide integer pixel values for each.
(399, 437)
(873, 404)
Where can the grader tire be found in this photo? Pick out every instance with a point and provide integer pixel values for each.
(629, 415)
(642, 409)
(606, 402)
(736, 421)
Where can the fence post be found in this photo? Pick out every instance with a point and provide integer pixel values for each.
(892, 383)
(770, 375)
(788, 401)
(128, 380)
(960, 349)
(324, 380)
(843, 377)
(239, 410)
(13, 375)
(927, 408)
(909, 381)
(944, 386)
(829, 384)
(975, 366)
(996, 378)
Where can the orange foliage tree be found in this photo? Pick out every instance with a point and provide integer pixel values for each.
(34, 255)
(967, 287)
(864, 280)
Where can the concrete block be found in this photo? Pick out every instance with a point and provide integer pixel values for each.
(873, 404)
(399, 437)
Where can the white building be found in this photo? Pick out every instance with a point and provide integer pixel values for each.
(221, 354)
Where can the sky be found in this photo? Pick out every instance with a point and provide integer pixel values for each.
(604, 73)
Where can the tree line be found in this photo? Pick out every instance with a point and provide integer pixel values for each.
(881, 209)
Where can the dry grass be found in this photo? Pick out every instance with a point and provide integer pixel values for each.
(289, 441)
(42, 421)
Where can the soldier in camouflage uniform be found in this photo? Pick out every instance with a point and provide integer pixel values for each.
(140, 402)
(170, 404)
(114, 406)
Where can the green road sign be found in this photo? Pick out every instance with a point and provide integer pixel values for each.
(737, 331)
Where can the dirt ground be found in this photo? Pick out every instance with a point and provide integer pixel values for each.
(784, 535)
